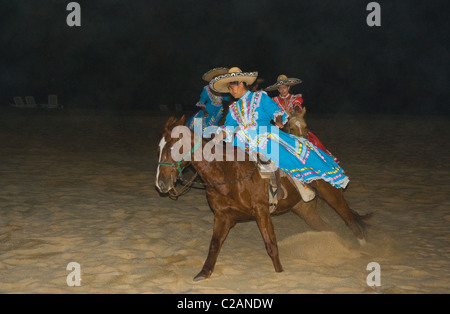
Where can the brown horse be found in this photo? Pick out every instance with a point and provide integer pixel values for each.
(296, 124)
(236, 192)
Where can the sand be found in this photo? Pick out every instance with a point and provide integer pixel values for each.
(78, 186)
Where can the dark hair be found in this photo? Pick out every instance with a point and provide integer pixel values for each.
(237, 83)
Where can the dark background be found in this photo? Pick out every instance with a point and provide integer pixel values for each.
(138, 54)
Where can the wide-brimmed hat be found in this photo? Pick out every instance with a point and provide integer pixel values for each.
(220, 82)
(283, 80)
(208, 76)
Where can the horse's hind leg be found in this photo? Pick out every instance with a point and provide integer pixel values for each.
(222, 226)
(308, 211)
(335, 198)
(265, 225)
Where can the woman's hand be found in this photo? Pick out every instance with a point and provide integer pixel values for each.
(279, 125)
(279, 122)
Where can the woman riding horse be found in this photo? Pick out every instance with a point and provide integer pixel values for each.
(285, 100)
(292, 104)
(210, 102)
(252, 114)
(237, 193)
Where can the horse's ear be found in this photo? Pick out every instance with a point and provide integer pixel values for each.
(303, 112)
(170, 124)
(182, 120)
(173, 122)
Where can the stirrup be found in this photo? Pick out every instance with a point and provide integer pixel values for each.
(305, 191)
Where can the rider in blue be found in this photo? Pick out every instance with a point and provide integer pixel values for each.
(210, 102)
(250, 118)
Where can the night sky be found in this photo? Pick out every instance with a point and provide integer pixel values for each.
(138, 54)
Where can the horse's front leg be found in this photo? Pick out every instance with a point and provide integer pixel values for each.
(222, 226)
(265, 225)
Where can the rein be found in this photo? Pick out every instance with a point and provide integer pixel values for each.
(187, 184)
(225, 182)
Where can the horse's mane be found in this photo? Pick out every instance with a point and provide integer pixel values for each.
(295, 115)
(173, 122)
(297, 121)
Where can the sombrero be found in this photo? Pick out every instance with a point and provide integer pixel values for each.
(220, 82)
(283, 80)
(208, 76)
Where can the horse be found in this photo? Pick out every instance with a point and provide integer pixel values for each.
(296, 124)
(236, 192)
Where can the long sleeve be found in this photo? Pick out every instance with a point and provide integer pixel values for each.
(229, 126)
(297, 101)
(203, 98)
(272, 109)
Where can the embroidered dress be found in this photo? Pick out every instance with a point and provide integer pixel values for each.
(251, 116)
(290, 102)
(213, 105)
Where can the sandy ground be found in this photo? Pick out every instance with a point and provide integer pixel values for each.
(78, 186)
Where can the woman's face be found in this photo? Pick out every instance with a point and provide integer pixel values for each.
(283, 90)
(237, 90)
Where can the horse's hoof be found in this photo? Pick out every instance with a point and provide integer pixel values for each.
(362, 242)
(199, 278)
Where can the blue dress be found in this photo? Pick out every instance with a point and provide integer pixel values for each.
(250, 118)
(213, 105)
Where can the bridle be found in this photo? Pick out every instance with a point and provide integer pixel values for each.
(173, 193)
(178, 163)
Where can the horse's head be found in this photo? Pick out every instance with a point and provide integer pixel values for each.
(297, 123)
(169, 167)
